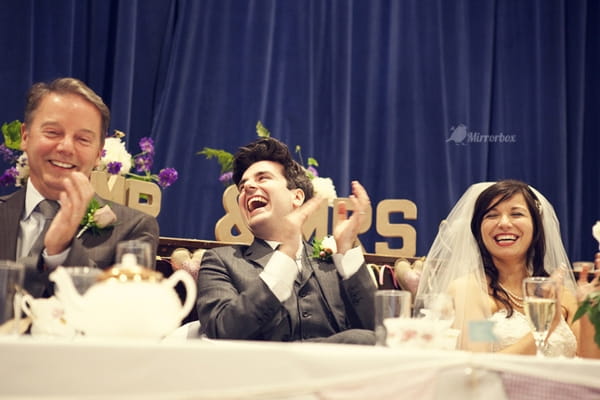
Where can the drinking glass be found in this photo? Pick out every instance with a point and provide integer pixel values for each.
(139, 248)
(12, 275)
(539, 302)
(84, 277)
(389, 304)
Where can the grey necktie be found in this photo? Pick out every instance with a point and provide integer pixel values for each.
(48, 208)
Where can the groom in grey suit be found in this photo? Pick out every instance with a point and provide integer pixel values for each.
(274, 289)
(63, 133)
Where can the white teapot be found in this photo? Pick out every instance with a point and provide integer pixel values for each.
(127, 301)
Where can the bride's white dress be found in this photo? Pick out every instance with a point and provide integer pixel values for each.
(562, 341)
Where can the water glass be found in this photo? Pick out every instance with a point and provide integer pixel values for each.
(83, 277)
(12, 275)
(141, 249)
(390, 304)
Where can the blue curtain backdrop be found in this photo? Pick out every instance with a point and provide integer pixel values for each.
(397, 94)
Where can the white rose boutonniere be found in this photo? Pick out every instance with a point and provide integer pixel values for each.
(97, 218)
(325, 248)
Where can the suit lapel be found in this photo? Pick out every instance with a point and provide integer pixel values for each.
(11, 209)
(259, 252)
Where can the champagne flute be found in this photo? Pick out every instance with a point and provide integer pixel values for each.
(540, 295)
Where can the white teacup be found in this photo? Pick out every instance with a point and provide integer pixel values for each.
(47, 316)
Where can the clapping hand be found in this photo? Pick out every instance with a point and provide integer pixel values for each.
(584, 288)
(74, 200)
(346, 230)
(291, 225)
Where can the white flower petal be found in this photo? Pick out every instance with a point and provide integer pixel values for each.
(115, 151)
(324, 187)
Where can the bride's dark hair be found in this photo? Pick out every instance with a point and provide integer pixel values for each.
(487, 200)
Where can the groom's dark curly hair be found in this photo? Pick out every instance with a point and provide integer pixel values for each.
(271, 149)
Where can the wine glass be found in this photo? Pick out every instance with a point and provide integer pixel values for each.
(539, 302)
(139, 248)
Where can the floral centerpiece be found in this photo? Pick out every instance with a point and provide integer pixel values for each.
(324, 187)
(115, 159)
(11, 153)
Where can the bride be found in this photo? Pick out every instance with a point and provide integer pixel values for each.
(496, 235)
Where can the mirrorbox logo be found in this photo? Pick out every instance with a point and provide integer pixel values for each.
(460, 134)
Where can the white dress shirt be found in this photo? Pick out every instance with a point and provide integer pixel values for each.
(280, 272)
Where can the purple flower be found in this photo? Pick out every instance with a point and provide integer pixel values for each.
(167, 176)
(6, 153)
(9, 177)
(114, 167)
(147, 145)
(313, 171)
(226, 177)
(103, 154)
(143, 162)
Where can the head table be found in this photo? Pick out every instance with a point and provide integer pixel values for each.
(84, 368)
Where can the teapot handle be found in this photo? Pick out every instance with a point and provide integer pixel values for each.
(190, 290)
(26, 305)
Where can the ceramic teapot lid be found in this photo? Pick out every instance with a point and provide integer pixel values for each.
(130, 271)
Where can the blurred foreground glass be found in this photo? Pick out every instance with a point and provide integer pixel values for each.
(12, 275)
(390, 304)
(83, 277)
(539, 295)
(139, 248)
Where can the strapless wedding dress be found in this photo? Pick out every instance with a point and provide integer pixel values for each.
(562, 341)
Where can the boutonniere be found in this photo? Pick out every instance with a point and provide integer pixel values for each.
(323, 249)
(97, 218)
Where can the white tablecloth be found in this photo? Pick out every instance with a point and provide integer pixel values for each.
(35, 368)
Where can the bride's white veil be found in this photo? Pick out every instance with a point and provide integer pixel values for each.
(454, 265)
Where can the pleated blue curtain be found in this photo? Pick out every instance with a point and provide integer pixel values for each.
(416, 99)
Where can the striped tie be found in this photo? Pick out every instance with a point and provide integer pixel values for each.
(48, 208)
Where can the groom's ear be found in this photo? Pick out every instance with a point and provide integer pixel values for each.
(298, 198)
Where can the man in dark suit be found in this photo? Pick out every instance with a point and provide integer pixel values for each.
(63, 133)
(274, 289)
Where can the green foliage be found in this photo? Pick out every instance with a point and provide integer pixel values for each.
(12, 134)
(88, 218)
(591, 307)
(261, 131)
(224, 158)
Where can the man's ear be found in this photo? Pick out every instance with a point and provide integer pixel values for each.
(298, 197)
(97, 163)
(24, 137)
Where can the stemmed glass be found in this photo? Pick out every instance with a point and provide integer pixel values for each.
(139, 248)
(540, 294)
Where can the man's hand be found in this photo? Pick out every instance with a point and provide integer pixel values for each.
(291, 225)
(74, 200)
(583, 286)
(346, 230)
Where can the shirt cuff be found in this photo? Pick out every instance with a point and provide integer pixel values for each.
(279, 275)
(347, 264)
(55, 260)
